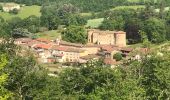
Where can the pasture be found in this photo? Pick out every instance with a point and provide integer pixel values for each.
(50, 35)
(94, 23)
(24, 12)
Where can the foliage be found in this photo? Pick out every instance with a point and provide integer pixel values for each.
(113, 24)
(75, 34)
(155, 29)
(14, 11)
(144, 39)
(117, 56)
(3, 78)
(26, 80)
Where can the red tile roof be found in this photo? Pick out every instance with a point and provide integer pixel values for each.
(126, 49)
(43, 46)
(109, 48)
(67, 49)
(43, 40)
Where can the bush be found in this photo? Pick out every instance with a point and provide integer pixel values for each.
(117, 56)
(14, 11)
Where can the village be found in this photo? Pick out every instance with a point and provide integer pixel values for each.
(101, 45)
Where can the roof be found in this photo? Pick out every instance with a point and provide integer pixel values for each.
(70, 44)
(105, 31)
(23, 39)
(67, 49)
(109, 48)
(43, 46)
(90, 57)
(126, 49)
(31, 43)
(43, 40)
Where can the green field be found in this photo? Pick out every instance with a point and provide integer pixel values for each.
(50, 35)
(128, 7)
(23, 13)
(94, 23)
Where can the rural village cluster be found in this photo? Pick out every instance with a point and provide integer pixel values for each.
(101, 44)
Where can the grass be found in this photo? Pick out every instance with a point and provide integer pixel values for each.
(85, 14)
(152, 46)
(25, 12)
(94, 23)
(129, 7)
(50, 35)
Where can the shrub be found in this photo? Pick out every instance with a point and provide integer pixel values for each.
(117, 56)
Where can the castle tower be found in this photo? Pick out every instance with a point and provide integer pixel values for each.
(90, 35)
(120, 39)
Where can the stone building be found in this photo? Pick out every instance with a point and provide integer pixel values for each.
(117, 38)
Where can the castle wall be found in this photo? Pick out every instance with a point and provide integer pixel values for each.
(120, 39)
(107, 37)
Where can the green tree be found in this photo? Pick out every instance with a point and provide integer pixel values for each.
(155, 29)
(32, 23)
(26, 79)
(14, 11)
(75, 34)
(144, 38)
(113, 24)
(151, 77)
(3, 78)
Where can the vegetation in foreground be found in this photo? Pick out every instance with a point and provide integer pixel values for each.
(22, 78)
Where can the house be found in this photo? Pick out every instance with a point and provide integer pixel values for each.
(117, 38)
(66, 54)
(85, 59)
(10, 6)
(43, 51)
(126, 51)
(21, 41)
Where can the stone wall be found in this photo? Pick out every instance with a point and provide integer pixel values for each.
(117, 38)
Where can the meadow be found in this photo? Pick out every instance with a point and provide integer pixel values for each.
(94, 23)
(50, 35)
(25, 12)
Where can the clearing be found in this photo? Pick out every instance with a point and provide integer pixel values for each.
(94, 23)
(50, 35)
(25, 12)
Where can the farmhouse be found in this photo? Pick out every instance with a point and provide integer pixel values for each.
(117, 38)
(10, 6)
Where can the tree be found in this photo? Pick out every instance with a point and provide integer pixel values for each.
(14, 11)
(4, 28)
(1, 8)
(75, 34)
(117, 56)
(155, 29)
(132, 28)
(26, 79)
(151, 75)
(32, 23)
(144, 38)
(3, 78)
(113, 24)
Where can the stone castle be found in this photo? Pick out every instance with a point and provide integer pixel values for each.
(117, 38)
